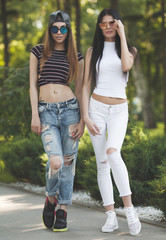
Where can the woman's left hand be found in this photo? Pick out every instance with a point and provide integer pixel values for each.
(78, 130)
(119, 27)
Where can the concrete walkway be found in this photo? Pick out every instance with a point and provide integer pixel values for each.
(20, 219)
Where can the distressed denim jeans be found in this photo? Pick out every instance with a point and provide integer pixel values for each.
(58, 120)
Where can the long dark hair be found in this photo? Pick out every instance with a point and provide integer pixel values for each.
(98, 43)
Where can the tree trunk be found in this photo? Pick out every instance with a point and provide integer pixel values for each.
(142, 93)
(58, 5)
(5, 34)
(67, 6)
(77, 21)
(164, 58)
(114, 4)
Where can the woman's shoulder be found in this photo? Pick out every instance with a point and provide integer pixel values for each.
(37, 50)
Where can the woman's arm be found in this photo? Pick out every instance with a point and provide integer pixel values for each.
(92, 127)
(79, 130)
(127, 57)
(35, 122)
(78, 85)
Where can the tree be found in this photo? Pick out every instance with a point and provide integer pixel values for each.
(78, 22)
(114, 4)
(142, 93)
(164, 57)
(5, 33)
(67, 6)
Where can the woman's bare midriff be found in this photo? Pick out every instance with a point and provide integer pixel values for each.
(108, 100)
(52, 93)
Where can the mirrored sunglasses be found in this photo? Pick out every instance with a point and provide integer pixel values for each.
(103, 25)
(55, 29)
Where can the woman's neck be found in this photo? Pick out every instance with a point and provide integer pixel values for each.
(109, 39)
(59, 46)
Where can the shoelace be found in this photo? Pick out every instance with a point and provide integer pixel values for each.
(110, 219)
(131, 215)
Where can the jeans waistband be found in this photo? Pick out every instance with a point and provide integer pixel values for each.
(58, 104)
(109, 106)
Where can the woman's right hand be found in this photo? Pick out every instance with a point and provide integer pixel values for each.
(36, 125)
(92, 127)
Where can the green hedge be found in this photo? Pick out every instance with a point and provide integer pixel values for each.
(159, 188)
(22, 158)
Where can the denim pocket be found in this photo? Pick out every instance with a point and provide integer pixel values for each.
(73, 106)
(41, 108)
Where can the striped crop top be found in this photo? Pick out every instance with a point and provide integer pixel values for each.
(56, 67)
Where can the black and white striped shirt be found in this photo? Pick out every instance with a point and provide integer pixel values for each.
(56, 67)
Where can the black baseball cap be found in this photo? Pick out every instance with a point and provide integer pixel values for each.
(59, 16)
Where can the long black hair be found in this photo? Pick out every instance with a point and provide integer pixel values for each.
(98, 43)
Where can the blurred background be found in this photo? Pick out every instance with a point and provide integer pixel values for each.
(23, 25)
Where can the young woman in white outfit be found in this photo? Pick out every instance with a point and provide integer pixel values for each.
(107, 66)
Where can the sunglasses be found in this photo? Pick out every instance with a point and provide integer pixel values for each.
(55, 29)
(103, 25)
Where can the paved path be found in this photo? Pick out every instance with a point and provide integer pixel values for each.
(20, 219)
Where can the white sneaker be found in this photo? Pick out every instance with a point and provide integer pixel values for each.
(111, 223)
(133, 221)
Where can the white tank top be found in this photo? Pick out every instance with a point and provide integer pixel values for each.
(111, 81)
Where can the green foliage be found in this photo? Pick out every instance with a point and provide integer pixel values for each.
(159, 188)
(2, 166)
(85, 152)
(23, 159)
(7, 177)
(15, 114)
(89, 178)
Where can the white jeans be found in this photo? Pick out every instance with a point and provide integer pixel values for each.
(112, 119)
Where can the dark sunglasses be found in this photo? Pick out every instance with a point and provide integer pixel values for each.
(55, 29)
(103, 25)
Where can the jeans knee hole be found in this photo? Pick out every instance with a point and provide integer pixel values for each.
(111, 150)
(55, 162)
(68, 160)
(48, 147)
(48, 138)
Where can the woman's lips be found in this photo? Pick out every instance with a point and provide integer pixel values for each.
(109, 32)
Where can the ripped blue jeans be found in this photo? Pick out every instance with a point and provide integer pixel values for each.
(58, 121)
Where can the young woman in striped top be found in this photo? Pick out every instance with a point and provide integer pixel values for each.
(56, 113)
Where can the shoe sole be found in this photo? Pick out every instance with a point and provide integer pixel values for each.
(107, 231)
(136, 232)
(59, 230)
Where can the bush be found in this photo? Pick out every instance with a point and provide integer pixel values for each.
(85, 152)
(15, 114)
(23, 159)
(89, 178)
(142, 155)
(159, 188)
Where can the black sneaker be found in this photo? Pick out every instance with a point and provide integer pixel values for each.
(48, 213)
(60, 224)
